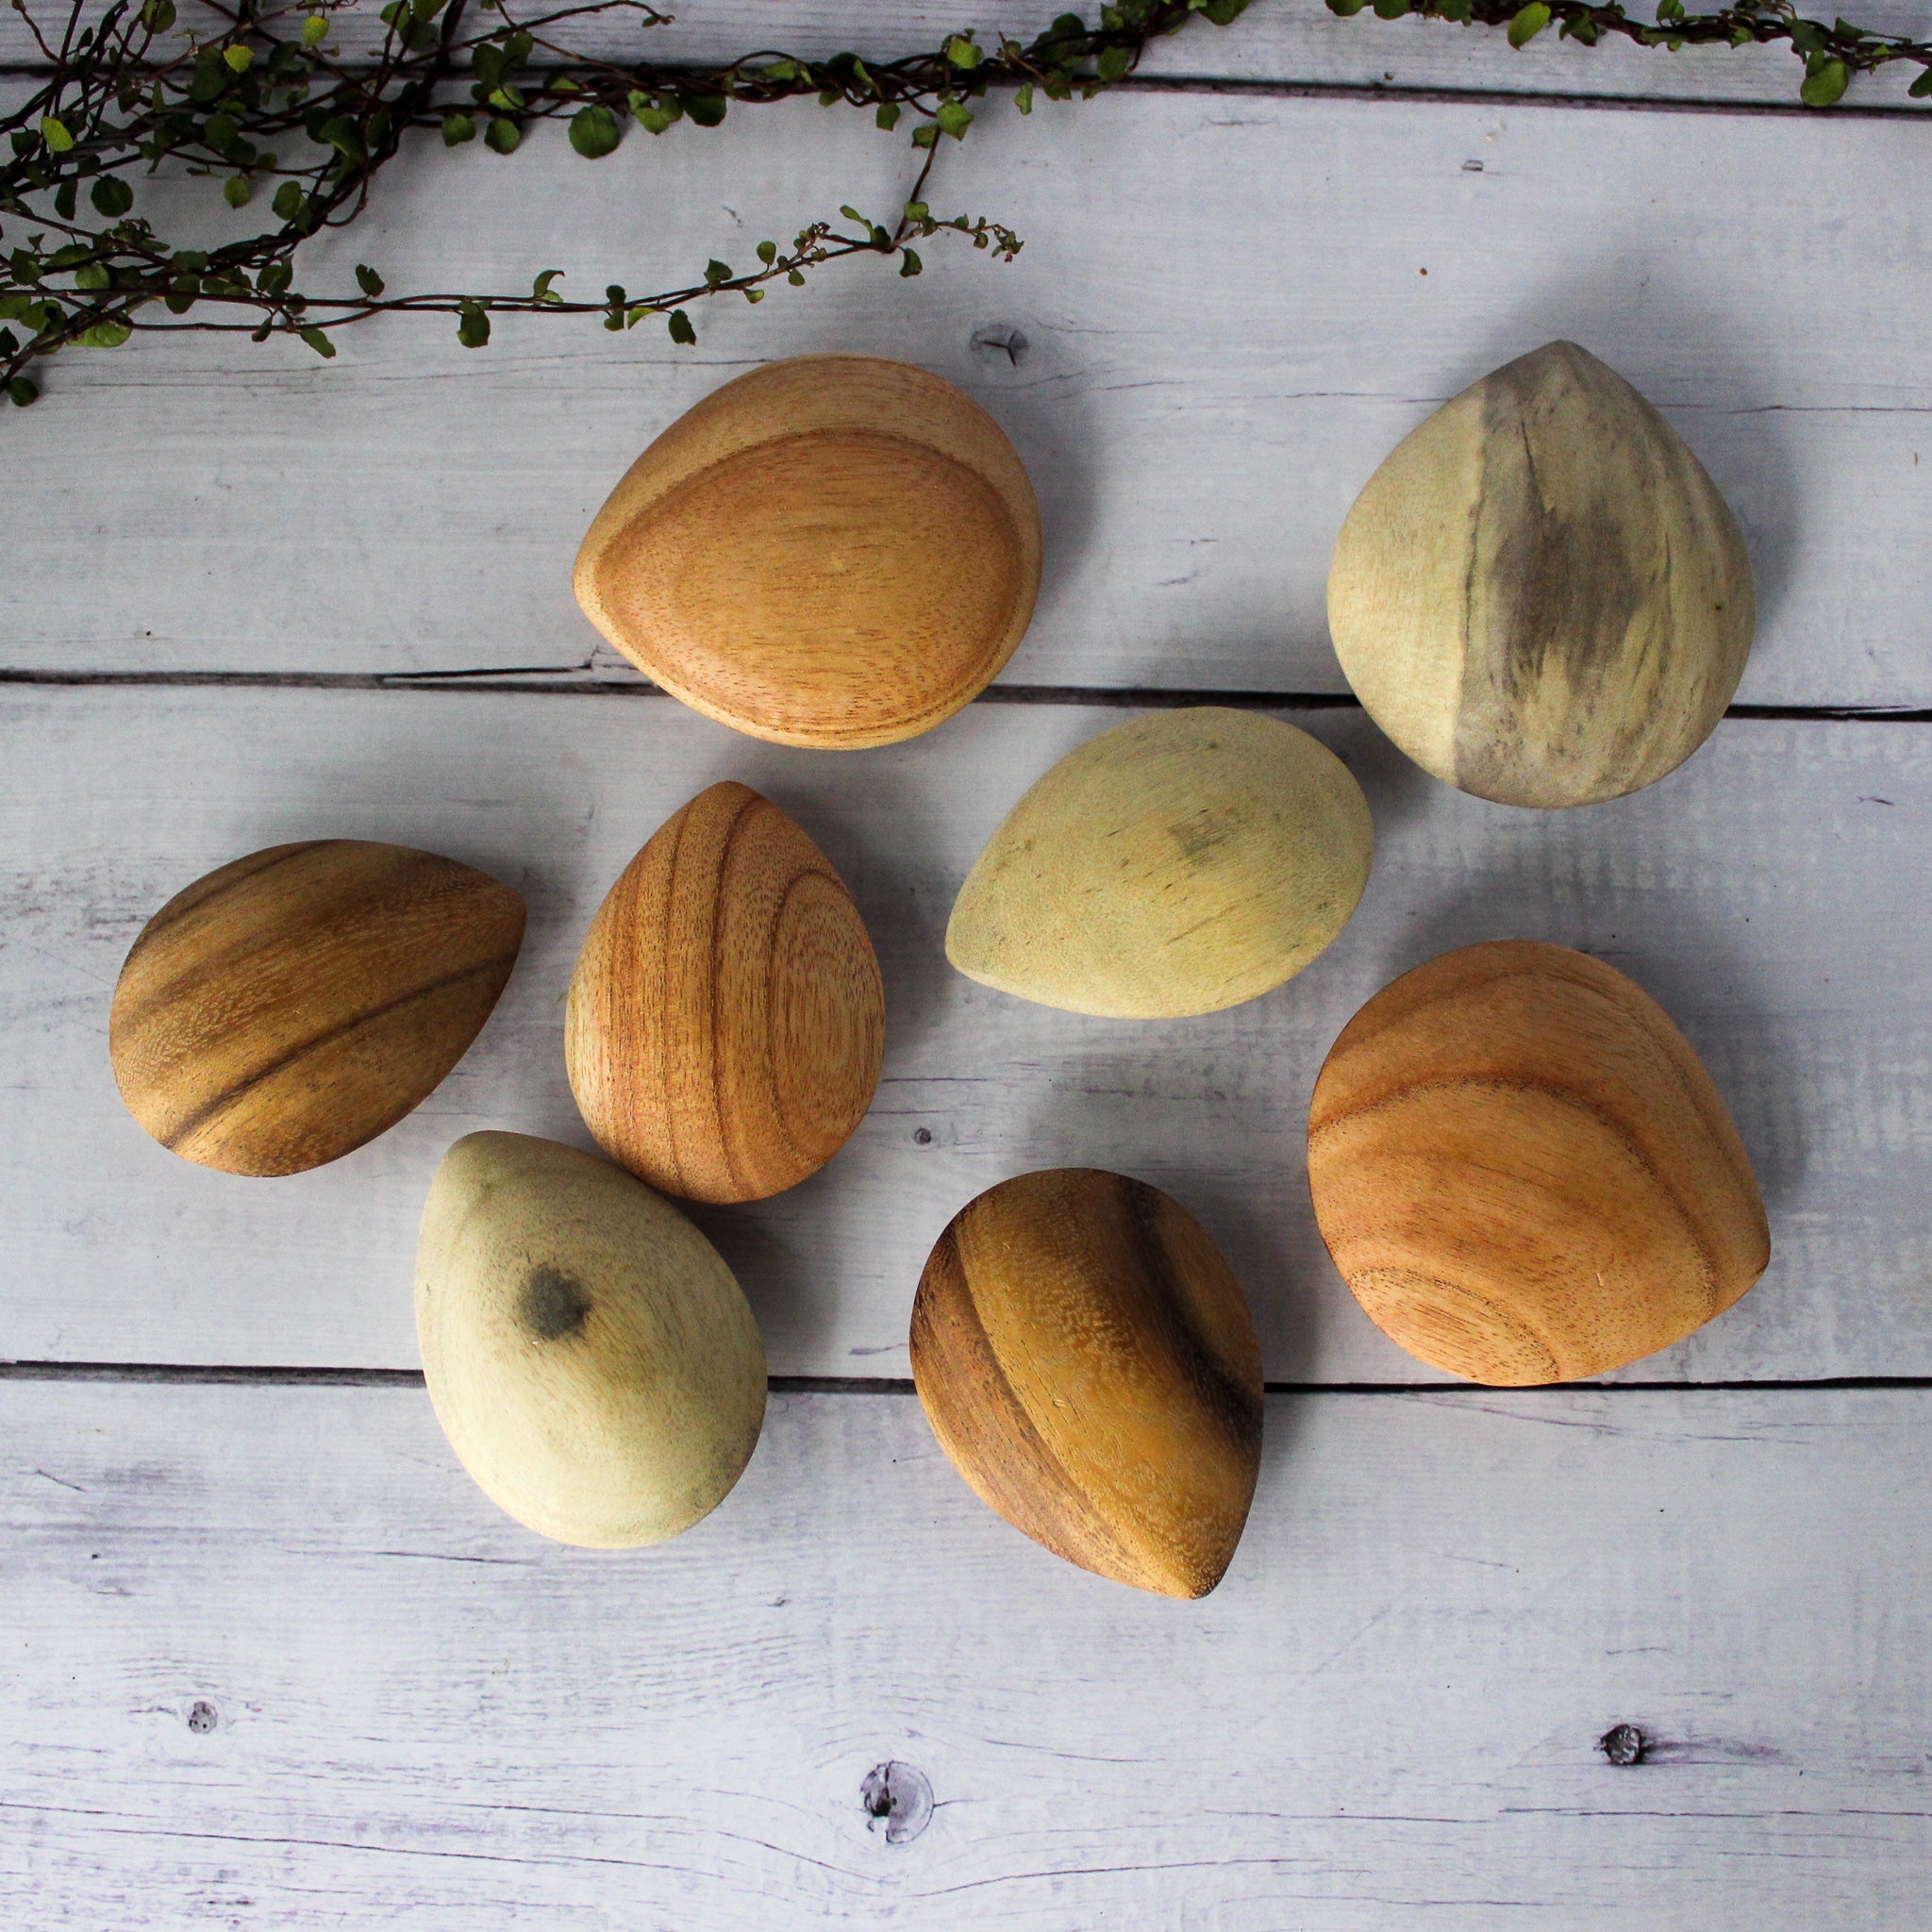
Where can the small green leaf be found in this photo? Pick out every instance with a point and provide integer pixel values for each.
(21, 392)
(768, 252)
(1390, 9)
(796, 278)
(111, 195)
(236, 191)
(1463, 11)
(157, 16)
(55, 134)
(1528, 23)
(952, 118)
(912, 265)
(1921, 87)
(706, 110)
(319, 342)
(315, 30)
(503, 137)
(852, 214)
(473, 325)
(288, 201)
(1024, 99)
(681, 330)
(105, 335)
(594, 132)
(458, 128)
(239, 59)
(368, 280)
(1113, 64)
(1825, 84)
(65, 197)
(924, 134)
(508, 98)
(754, 294)
(92, 275)
(886, 115)
(1804, 38)
(716, 272)
(1224, 12)
(275, 278)
(961, 52)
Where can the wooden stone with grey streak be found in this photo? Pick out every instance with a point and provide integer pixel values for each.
(1086, 1358)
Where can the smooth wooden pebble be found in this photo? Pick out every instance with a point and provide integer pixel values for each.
(726, 1020)
(1181, 862)
(833, 551)
(289, 1006)
(589, 1355)
(1087, 1359)
(1540, 596)
(1523, 1172)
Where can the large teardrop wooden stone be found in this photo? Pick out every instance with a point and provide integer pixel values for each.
(295, 1003)
(726, 1020)
(1178, 864)
(832, 551)
(1540, 596)
(1523, 1172)
(589, 1355)
(1087, 1359)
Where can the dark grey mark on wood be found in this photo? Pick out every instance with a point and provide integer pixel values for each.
(1623, 1744)
(202, 1717)
(61, 1482)
(898, 1796)
(552, 1304)
(1472, 167)
(1877, 801)
(921, 1137)
(1001, 339)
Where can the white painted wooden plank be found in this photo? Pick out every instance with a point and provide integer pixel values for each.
(1770, 895)
(1279, 40)
(1229, 324)
(414, 1714)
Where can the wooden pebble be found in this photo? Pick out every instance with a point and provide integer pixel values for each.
(726, 1020)
(1181, 862)
(1523, 1172)
(1540, 596)
(292, 1005)
(589, 1355)
(1087, 1359)
(832, 551)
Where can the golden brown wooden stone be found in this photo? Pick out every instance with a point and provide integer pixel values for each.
(1086, 1358)
(1523, 1172)
(589, 1355)
(289, 1006)
(726, 1020)
(833, 551)
(1540, 596)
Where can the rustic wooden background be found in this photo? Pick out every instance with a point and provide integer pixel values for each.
(274, 1662)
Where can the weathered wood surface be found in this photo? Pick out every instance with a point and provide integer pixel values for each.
(1771, 895)
(1226, 322)
(275, 1662)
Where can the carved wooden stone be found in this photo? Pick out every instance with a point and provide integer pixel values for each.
(1087, 1359)
(1523, 1172)
(1540, 596)
(726, 1019)
(292, 1005)
(832, 551)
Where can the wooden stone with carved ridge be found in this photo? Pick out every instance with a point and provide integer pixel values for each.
(726, 1019)
(1087, 1359)
(832, 551)
(589, 1355)
(1540, 596)
(1523, 1172)
(290, 1006)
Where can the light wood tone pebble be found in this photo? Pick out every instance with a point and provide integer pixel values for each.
(290, 1006)
(1523, 1172)
(590, 1358)
(833, 551)
(1179, 863)
(726, 1020)
(1087, 1359)
(1540, 596)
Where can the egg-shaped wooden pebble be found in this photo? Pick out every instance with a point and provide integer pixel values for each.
(833, 551)
(1181, 862)
(728, 1021)
(1086, 1358)
(1523, 1172)
(589, 1355)
(292, 1005)
(1540, 596)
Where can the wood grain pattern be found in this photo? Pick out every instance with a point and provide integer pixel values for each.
(833, 551)
(1540, 596)
(1385, 1720)
(1177, 864)
(726, 1019)
(590, 1358)
(292, 1005)
(1523, 1172)
(1087, 1362)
